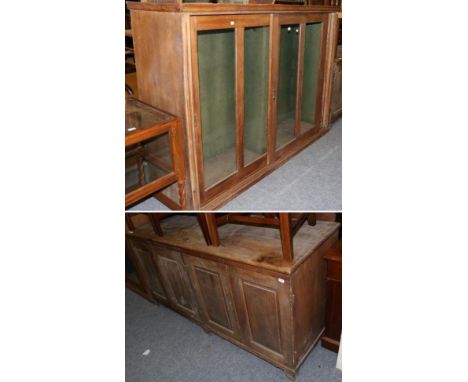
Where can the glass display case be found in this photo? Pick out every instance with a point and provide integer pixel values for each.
(152, 140)
(251, 84)
(233, 73)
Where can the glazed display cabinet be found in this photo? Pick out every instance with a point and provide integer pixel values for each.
(250, 83)
(153, 153)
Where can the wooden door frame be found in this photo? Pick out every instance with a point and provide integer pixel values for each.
(301, 19)
(238, 23)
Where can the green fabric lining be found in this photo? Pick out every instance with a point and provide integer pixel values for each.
(289, 49)
(311, 71)
(256, 56)
(216, 68)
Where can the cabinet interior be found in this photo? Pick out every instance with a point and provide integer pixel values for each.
(220, 116)
(153, 155)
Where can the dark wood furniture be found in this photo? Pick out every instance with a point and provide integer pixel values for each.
(153, 153)
(332, 336)
(250, 83)
(243, 290)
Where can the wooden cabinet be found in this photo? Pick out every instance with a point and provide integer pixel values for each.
(140, 256)
(148, 273)
(332, 336)
(212, 286)
(251, 84)
(133, 274)
(264, 306)
(176, 281)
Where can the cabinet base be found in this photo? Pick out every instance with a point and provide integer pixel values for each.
(250, 180)
(330, 344)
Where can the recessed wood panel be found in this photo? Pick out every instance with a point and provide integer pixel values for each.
(213, 297)
(263, 315)
(155, 285)
(141, 259)
(174, 278)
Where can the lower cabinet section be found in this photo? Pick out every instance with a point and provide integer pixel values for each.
(140, 255)
(212, 286)
(176, 281)
(263, 303)
(253, 308)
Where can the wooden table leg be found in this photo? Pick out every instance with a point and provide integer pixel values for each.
(286, 236)
(156, 225)
(312, 219)
(209, 227)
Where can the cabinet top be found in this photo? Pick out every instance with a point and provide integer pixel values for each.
(209, 8)
(256, 246)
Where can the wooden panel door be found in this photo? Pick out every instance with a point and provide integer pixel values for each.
(212, 287)
(265, 314)
(176, 281)
(143, 261)
(231, 85)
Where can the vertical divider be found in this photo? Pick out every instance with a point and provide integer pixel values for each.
(300, 76)
(197, 108)
(328, 49)
(273, 89)
(240, 98)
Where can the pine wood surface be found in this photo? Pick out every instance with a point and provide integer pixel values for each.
(256, 246)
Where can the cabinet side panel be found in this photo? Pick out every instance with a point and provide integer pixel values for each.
(309, 289)
(159, 56)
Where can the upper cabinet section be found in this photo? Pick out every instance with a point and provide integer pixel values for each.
(250, 83)
(257, 91)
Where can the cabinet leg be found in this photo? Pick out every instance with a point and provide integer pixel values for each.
(207, 331)
(290, 374)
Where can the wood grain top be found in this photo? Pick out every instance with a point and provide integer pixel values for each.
(209, 8)
(256, 246)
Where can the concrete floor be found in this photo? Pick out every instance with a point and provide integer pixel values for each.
(180, 351)
(311, 181)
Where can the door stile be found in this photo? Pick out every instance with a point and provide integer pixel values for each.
(300, 75)
(197, 107)
(324, 82)
(239, 98)
(273, 88)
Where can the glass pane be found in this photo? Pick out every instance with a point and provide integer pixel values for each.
(311, 76)
(147, 161)
(287, 86)
(256, 53)
(216, 72)
(139, 116)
